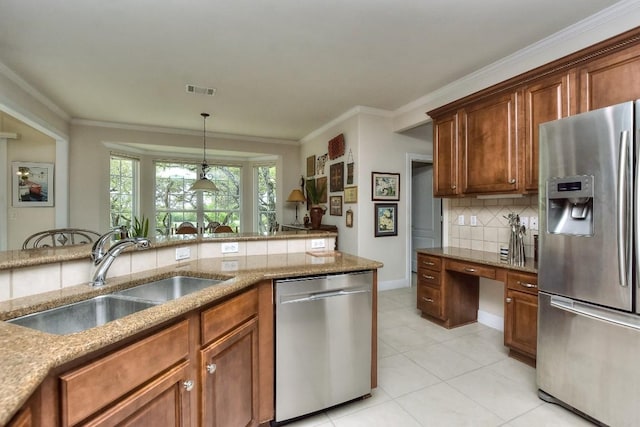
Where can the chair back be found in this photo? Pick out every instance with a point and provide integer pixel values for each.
(186, 228)
(223, 229)
(60, 237)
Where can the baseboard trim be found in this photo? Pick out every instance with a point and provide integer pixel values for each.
(491, 320)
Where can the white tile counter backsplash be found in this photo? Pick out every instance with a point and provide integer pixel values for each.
(492, 229)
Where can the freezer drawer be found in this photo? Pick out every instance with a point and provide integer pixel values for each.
(589, 360)
(323, 342)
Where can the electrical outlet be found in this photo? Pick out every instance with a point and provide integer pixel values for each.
(231, 265)
(533, 223)
(460, 219)
(473, 220)
(317, 243)
(183, 253)
(524, 220)
(229, 247)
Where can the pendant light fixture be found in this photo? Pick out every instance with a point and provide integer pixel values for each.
(204, 184)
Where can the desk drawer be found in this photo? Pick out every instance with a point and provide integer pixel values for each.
(471, 269)
(430, 301)
(429, 262)
(429, 278)
(523, 282)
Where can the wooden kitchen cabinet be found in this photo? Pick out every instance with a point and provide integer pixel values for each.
(521, 316)
(489, 145)
(545, 99)
(229, 364)
(610, 80)
(145, 382)
(429, 293)
(445, 148)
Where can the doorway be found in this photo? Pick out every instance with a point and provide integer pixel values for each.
(426, 211)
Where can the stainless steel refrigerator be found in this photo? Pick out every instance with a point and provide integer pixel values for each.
(588, 320)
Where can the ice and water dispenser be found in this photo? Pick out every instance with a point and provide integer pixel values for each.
(570, 205)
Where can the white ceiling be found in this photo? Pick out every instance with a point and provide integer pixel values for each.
(282, 68)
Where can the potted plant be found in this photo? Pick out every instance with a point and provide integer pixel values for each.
(139, 227)
(315, 194)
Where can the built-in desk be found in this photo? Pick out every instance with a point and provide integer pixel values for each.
(448, 293)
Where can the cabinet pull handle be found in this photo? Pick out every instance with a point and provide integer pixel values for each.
(211, 368)
(470, 270)
(428, 263)
(188, 385)
(508, 300)
(512, 181)
(426, 276)
(527, 285)
(427, 299)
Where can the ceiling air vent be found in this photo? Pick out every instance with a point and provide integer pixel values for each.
(198, 90)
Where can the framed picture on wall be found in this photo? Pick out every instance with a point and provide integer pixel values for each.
(32, 184)
(335, 205)
(385, 186)
(349, 218)
(386, 219)
(311, 166)
(351, 194)
(336, 171)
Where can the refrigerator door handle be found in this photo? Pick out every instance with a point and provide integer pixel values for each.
(622, 227)
(594, 312)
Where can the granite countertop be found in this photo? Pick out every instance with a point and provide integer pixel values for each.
(482, 257)
(27, 356)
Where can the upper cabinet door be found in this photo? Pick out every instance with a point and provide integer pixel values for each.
(489, 145)
(544, 100)
(445, 146)
(610, 80)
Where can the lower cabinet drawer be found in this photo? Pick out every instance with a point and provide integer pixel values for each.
(222, 318)
(430, 301)
(429, 278)
(471, 269)
(88, 389)
(523, 282)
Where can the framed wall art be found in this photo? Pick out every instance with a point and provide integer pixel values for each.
(349, 218)
(385, 186)
(32, 184)
(335, 205)
(311, 166)
(386, 219)
(321, 183)
(336, 172)
(351, 194)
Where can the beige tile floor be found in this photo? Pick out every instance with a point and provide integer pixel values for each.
(431, 376)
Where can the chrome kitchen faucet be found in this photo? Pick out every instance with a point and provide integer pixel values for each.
(102, 259)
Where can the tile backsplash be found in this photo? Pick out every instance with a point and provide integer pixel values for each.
(492, 228)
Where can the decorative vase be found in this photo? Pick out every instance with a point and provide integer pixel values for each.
(316, 213)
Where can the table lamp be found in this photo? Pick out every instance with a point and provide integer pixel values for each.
(296, 197)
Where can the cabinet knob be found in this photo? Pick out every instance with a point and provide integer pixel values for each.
(508, 300)
(453, 186)
(211, 368)
(188, 385)
(512, 181)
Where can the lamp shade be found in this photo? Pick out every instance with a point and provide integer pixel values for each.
(203, 184)
(296, 196)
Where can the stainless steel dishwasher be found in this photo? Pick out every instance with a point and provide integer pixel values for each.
(323, 342)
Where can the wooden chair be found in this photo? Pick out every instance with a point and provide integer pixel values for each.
(223, 229)
(59, 237)
(186, 228)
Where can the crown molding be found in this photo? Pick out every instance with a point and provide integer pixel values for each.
(358, 109)
(177, 131)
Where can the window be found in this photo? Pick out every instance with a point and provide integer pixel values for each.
(176, 204)
(123, 189)
(266, 193)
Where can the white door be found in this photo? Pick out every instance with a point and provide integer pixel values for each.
(426, 212)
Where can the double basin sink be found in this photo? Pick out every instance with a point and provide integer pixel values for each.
(99, 310)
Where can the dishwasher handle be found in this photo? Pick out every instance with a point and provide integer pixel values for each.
(321, 295)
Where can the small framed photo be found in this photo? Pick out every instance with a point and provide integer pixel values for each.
(386, 219)
(336, 172)
(349, 218)
(32, 184)
(321, 185)
(385, 186)
(335, 205)
(311, 166)
(351, 194)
